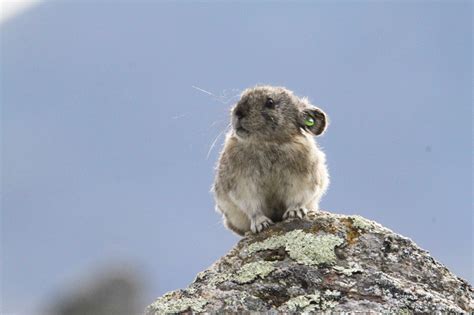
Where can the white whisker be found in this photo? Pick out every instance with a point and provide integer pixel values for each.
(215, 123)
(215, 141)
(225, 97)
(222, 98)
(179, 116)
(202, 90)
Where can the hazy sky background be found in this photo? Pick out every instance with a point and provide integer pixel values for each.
(105, 141)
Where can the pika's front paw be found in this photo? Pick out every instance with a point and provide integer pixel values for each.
(293, 213)
(260, 223)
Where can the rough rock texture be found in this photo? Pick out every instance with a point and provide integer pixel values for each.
(325, 262)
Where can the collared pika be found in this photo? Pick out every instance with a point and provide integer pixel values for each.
(270, 168)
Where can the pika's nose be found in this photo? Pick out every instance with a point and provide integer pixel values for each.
(239, 113)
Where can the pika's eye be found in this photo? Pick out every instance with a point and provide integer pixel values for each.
(270, 103)
(309, 121)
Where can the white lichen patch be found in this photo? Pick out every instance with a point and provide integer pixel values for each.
(305, 303)
(251, 271)
(312, 302)
(349, 271)
(305, 248)
(236, 298)
(332, 293)
(167, 304)
(328, 304)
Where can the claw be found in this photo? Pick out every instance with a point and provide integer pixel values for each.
(293, 213)
(260, 224)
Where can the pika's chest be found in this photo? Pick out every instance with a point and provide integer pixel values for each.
(271, 165)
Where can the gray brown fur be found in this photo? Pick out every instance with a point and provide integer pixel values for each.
(270, 168)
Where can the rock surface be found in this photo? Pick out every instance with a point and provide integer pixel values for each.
(325, 262)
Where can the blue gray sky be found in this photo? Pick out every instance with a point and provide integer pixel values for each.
(105, 140)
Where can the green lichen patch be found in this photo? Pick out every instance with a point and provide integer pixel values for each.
(305, 248)
(168, 304)
(361, 223)
(251, 271)
(245, 274)
(219, 278)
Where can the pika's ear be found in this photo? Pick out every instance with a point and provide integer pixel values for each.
(314, 120)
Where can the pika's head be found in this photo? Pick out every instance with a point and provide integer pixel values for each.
(275, 114)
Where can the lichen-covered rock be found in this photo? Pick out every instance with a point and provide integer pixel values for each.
(325, 262)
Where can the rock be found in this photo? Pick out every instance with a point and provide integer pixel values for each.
(325, 262)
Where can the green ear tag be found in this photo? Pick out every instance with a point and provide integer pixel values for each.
(309, 121)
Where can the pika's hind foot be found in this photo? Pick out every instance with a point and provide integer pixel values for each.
(260, 223)
(293, 213)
